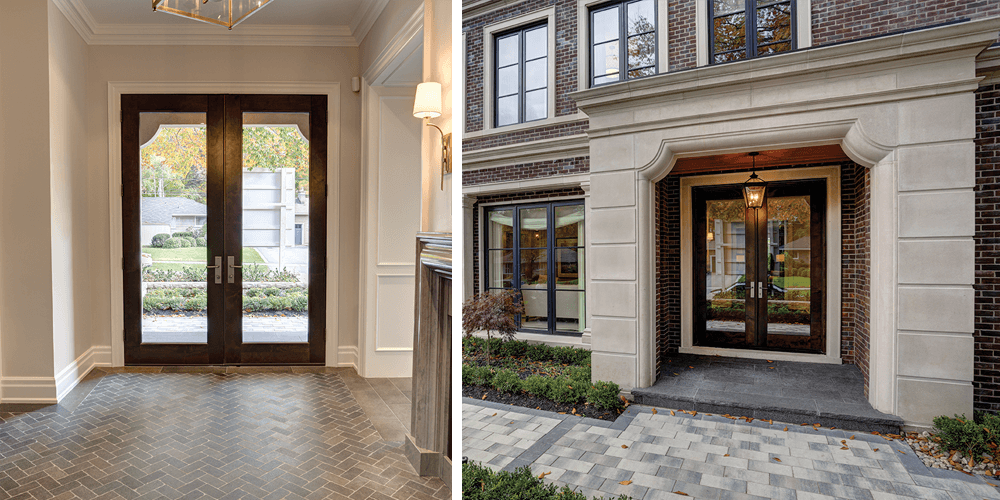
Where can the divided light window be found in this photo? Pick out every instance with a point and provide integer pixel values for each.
(635, 23)
(770, 23)
(522, 75)
(539, 250)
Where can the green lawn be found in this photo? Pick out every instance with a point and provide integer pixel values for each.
(195, 254)
(792, 282)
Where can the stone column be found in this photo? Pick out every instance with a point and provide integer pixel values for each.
(468, 270)
(588, 301)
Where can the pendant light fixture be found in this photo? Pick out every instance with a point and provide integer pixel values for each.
(226, 13)
(754, 188)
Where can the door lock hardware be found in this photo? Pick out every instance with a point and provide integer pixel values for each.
(218, 269)
(752, 288)
(760, 289)
(232, 268)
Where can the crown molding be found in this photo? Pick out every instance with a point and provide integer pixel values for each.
(410, 35)
(197, 33)
(365, 18)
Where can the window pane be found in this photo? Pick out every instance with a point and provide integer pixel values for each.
(731, 56)
(534, 225)
(774, 48)
(569, 263)
(507, 81)
(774, 23)
(728, 6)
(501, 229)
(606, 60)
(606, 25)
(536, 309)
(534, 266)
(569, 226)
(536, 74)
(641, 51)
(730, 32)
(536, 43)
(506, 110)
(501, 269)
(507, 50)
(640, 17)
(536, 105)
(639, 73)
(606, 79)
(570, 311)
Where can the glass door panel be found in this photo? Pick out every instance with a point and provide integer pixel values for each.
(570, 303)
(725, 265)
(534, 261)
(788, 265)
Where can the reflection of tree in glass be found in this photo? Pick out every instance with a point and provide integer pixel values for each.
(730, 33)
(774, 23)
(533, 266)
(641, 48)
(726, 210)
(794, 212)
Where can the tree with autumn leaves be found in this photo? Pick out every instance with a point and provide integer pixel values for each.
(174, 163)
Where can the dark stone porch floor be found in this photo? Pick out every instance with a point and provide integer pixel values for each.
(786, 391)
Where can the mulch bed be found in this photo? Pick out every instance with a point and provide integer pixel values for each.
(526, 400)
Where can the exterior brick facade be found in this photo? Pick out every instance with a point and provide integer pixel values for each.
(537, 170)
(532, 134)
(986, 383)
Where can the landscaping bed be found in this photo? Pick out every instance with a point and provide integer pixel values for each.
(481, 483)
(254, 300)
(960, 443)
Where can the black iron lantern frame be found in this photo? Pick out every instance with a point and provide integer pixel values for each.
(754, 189)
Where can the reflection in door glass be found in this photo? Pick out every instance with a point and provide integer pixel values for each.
(173, 216)
(275, 227)
(788, 265)
(725, 265)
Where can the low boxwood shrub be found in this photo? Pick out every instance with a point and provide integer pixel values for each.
(513, 348)
(579, 373)
(183, 234)
(158, 239)
(506, 381)
(476, 375)
(604, 395)
(538, 352)
(173, 243)
(471, 345)
(185, 243)
(566, 390)
(481, 483)
(537, 385)
(973, 437)
(201, 242)
(570, 355)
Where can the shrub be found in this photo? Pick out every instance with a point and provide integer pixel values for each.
(158, 239)
(513, 348)
(203, 231)
(565, 390)
(538, 352)
(183, 234)
(184, 242)
(506, 381)
(201, 242)
(172, 243)
(493, 312)
(191, 240)
(471, 345)
(604, 395)
(476, 375)
(481, 483)
(579, 373)
(537, 385)
(570, 355)
(962, 434)
(260, 272)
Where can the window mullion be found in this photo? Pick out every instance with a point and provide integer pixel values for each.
(550, 237)
(751, 28)
(622, 42)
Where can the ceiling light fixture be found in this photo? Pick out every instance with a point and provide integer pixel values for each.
(754, 187)
(226, 13)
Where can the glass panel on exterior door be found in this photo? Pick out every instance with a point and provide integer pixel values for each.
(173, 220)
(570, 300)
(275, 235)
(725, 266)
(788, 263)
(534, 267)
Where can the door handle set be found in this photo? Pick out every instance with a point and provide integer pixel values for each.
(759, 286)
(218, 269)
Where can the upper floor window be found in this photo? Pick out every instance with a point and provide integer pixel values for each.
(522, 75)
(769, 22)
(622, 32)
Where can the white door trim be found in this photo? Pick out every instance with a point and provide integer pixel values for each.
(330, 89)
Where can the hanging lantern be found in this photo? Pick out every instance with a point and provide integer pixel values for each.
(754, 187)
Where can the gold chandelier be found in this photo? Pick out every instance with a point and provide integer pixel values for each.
(226, 13)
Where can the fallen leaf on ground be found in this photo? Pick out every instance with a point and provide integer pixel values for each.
(672, 412)
(844, 448)
(769, 361)
(770, 367)
(624, 483)
(726, 455)
(843, 441)
(776, 459)
(654, 411)
(484, 396)
(624, 447)
(852, 436)
(681, 493)
(494, 414)
(901, 451)
(876, 449)
(786, 428)
(542, 475)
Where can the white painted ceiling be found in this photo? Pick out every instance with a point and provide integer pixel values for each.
(277, 13)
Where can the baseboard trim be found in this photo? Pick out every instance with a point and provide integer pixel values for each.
(70, 376)
(28, 390)
(348, 356)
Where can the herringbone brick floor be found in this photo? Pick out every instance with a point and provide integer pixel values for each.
(206, 435)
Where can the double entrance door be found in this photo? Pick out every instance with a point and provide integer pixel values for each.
(214, 188)
(760, 274)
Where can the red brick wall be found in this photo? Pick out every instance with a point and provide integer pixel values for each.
(681, 33)
(986, 380)
(537, 170)
(667, 231)
(477, 247)
(525, 135)
(565, 32)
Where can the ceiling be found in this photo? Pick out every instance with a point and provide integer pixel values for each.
(282, 22)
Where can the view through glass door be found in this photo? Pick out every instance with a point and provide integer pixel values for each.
(762, 271)
(224, 216)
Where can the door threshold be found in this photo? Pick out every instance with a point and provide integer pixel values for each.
(755, 354)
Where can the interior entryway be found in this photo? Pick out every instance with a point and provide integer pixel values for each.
(760, 273)
(217, 191)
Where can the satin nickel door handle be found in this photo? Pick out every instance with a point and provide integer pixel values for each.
(760, 289)
(218, 270)
(232, 268)
(752, 288)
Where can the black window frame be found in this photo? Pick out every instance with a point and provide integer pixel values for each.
(550, 249)
(623, 37)
(520, 31)
(750, 46)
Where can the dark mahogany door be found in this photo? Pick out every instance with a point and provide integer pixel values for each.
(213, 189)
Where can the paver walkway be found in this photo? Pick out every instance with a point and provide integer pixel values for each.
(704, 456)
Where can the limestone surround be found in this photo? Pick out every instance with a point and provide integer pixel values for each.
(900, 105)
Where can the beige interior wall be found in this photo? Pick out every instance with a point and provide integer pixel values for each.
(71, 280)
(26, 266)
(436, 216)
(221, 64)
(388, 24)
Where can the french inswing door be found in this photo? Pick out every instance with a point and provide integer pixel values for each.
(224, 229)
(760, 274)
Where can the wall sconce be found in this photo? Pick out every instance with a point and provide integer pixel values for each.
(427, 105)
(753, 188)
(780, 257)
(711, 236)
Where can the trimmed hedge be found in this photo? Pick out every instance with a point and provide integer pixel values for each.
(158, 239)
(474, 346)
(481, 483)
(201, 242)
(183, 234)
(173, 243)
(254, 299)
(971, 436)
